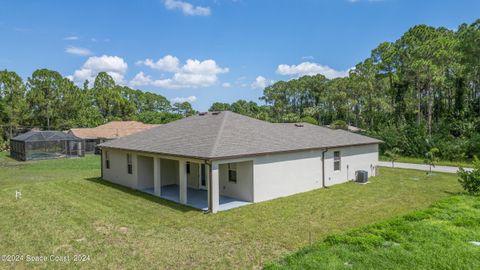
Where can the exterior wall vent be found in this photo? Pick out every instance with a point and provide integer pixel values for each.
(202, 113)
(298, 125)
(216, 113)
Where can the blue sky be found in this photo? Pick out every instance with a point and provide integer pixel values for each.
(208, 50)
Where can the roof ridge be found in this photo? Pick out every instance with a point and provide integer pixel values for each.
(220, 131)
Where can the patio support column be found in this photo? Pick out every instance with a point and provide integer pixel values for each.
(135, 170)
(182, 179)
(157, 181)
(213, 189)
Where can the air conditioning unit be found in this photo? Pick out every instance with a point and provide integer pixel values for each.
(361, 176)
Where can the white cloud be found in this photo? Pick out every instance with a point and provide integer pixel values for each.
(189, 99)
(226, 85)
(78, 51)
(141, 79)
(309, 68)
(115, 66)
(260, 83)
(187, 8)
(192, 74)
(167, 63)
(71, 38)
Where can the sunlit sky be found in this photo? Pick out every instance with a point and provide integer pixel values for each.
(208, 50)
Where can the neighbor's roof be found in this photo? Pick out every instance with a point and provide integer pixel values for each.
(111, 130)
(227, 134)
(42, 136)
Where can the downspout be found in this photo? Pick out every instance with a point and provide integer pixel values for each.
(101, 160)
(323, 168)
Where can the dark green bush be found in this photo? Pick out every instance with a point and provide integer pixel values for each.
(339, 124)
(470, 180)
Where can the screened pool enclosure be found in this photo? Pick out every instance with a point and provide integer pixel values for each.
(35, 145)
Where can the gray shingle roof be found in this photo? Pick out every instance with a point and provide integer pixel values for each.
(45, 135)
(227, 134)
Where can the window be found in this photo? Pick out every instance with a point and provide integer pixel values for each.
(188, 167)
(232, 172)
(107, 160)
(336, 161)
(129, 164)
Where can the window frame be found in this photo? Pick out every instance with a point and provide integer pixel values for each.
(337, 161)
(129, 163)
(232, 173)
(107, 160)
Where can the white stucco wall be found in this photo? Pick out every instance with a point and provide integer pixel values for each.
(281, 175)
(169, 171)
(193, 176)
(118, 168)
(353, 158)
(144, 172)
(243, 188)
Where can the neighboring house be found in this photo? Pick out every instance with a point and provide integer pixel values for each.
(36, 144)
(109, 131)
(220, 160)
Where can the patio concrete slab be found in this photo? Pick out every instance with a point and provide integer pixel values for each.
(197, 198)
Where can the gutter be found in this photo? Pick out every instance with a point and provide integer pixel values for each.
(323, 167)
(241, 155)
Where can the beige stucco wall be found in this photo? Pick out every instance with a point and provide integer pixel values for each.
(286, 174)
(144, 172)
(353, 158)
(279, 175)
(243, 188)
(193, 176)
(169, 171)
(118, 168)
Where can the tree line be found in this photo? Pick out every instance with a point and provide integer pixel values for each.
(47, 100)
(419, 92)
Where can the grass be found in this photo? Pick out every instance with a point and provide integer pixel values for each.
(65, 210)
(464, 164)
(439, 237)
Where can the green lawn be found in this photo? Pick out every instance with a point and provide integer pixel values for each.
(67, 210)
(439, 237)
(465, 164)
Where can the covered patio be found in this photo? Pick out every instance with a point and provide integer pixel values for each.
(191, 182)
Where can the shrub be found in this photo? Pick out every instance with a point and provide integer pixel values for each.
(431, 158)
(470, 180)
(310, 120)
(339, 124)
(393, 155)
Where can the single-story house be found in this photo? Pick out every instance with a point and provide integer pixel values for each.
(219, 160)
(108, 131)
